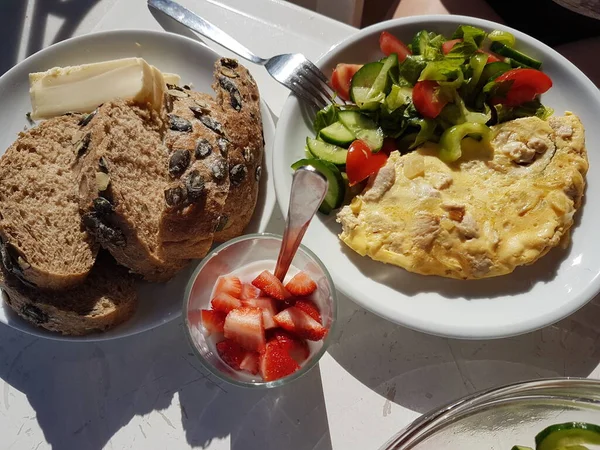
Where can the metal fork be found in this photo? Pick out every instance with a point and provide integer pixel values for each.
(292, 70)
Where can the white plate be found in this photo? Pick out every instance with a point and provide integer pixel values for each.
(193, 61)
(530, 298)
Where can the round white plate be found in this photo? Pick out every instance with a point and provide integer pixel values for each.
(193, 61)
(530, 298)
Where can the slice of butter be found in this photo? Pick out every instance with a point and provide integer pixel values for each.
(172, 78)
(83, 88)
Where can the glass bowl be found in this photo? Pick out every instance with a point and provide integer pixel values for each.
(231, 256)
(500, 418)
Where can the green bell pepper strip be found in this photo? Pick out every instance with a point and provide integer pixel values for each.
(450, 148)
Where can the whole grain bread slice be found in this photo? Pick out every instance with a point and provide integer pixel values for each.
(41, 238)
(238, 97)
(107, 298)
(123, 174)
(199, 174)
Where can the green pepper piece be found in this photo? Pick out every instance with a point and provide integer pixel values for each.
(450, 149)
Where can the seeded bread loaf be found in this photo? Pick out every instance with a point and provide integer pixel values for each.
(42, 241)
(105, 299)
(199, 173)
(123, 173)
(238, 97)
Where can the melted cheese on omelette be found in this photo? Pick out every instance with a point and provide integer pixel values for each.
(482, 216)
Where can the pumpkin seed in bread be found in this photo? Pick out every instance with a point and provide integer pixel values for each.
(106, 299)
(43, 242)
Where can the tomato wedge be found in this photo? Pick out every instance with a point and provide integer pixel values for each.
(342, 78)
(527, 84)
(447, 46)
(361, 163)
(427, 99)
(388, 43)
(389, 145)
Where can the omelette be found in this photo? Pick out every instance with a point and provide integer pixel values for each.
(496, 208)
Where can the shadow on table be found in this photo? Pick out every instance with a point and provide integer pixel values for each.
(421, 372)
(13, 18)
(84, 393)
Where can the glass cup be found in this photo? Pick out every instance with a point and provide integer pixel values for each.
(231, 256)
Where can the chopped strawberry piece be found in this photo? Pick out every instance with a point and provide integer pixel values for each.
(299, 323)
(250, 363)
(268, 309)
(249, 291)
(213, 320)
(229, 285)
(275, 362)
(309, 307)
(245, 326)
(231, 353)
(270, 285)
(297, 348)
(301, 285)
(225, 302)
(194, 316)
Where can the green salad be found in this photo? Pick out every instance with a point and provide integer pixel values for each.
(566, 436)
(436, 89)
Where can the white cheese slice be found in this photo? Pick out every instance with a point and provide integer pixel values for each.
(85, 87)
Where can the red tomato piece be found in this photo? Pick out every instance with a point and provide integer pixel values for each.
(492, 57)
(389, 44)
(447, 46)
(527, 84)
(342, 77)
(362, 162)
(427, 99)
(389, 145)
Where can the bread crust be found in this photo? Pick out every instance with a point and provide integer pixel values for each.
(238, 97)
(107, 298)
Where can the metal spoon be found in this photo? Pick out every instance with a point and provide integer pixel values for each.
(308, 191)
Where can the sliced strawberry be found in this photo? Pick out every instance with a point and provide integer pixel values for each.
(213, 320)
(245, 326)
(275, 362)
(229, 285)
(225, 302)
(250, 363)
(270, 285)
(299, 323)
(231, 353)
(301, 285)
(194, 316)
(309, 307)
(268, 309)
(297, 348)
(249, 291)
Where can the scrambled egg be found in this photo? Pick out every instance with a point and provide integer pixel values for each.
(492, 210)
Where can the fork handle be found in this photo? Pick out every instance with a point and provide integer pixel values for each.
(206, 29)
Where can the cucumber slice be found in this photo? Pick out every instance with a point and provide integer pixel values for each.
(522, 58)
(363, 128)
(327, 152)
(493, 70)
(419, 42)
(521, 447)
(336, 188)
(337, 134)
(361, 85)
(568, 434)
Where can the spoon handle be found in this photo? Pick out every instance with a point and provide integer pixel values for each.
(308, 190)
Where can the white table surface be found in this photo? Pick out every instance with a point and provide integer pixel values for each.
(149, 392)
